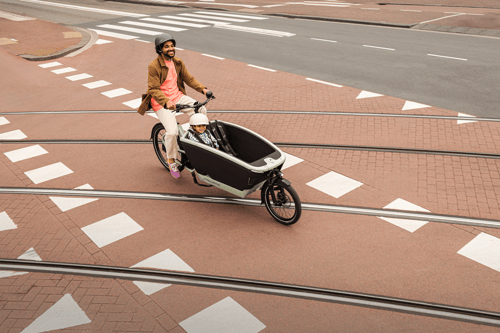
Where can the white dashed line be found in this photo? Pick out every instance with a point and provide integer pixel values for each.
(96, 84)
(13, 135)
(103, 41)
(25, 153)
(371, 8)
(113, 34)
(138, 31)
(87, 9)
(266, 69)
(63, 70)
(48, 172)
(79, 77)
(116, 92)
(50, 64)
(380, 48)
(323, 82)
(440, 56)
(410, 10)
(324, 40)
(4, 121)
(212, 56)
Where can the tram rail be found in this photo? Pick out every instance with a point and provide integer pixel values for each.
(380, 302)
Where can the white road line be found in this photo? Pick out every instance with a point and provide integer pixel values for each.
(266, 69)
(185, 24)
(113, 34)
(238, 16)
(270, 6)
(116, 92)
(79, 77)
(192, 19)
(254, 30)
(410, 10)
(138, 31)
(323, 82)
(324, 40)
(96, 84)
(25, 153)
(50, 64)
(212, 56)
(48, 172)
(211, 17)
(15, 17)
(334, 184)
(142, 41)
(88, 9)
(371, 8)
(157, 26)
(228, 4)
(381, 48)
(13, 135)
(63, 70)
(441, 18)
(440, 56)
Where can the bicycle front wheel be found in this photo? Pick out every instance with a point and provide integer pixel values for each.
(159, 147)
(285, 207)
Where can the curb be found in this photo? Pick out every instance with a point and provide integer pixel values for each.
(428, 4)
(458, 30)
(86, 37)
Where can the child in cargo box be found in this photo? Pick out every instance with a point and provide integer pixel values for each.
(198, 131)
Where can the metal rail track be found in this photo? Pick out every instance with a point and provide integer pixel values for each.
(280, 144)
(379, 302)
(317, 113)
(379, 212)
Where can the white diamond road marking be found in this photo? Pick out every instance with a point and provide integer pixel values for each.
(290, 161)
(25, 153)
(64, 314)
(367, 94)
(414, 105)
(154, 26)
(114, 34)
(334, 184)
(102, 41)
(50, 64)
(13, 135)
(116, 92)
(30, 255)
(323, 82)
(139, 31)
(48, 172)
(64, 70)
(484, 249)
(232, 15)
(111, 229)
(6, 222)
(79, 77)
(408, 225)
(65, 203)
(134, 104)
(96, 84)
(226, 316)
(185, 24)
(164, 260)
(4, 121)
(466, 121)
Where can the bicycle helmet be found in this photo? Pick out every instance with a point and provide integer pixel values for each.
(198, 119)
(162, 39)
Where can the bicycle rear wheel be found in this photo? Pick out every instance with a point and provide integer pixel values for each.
(286, 207)
(160, 149)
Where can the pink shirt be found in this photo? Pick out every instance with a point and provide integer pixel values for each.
(169, 87)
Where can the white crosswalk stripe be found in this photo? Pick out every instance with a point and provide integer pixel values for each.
(152, 26)
(156, 26)
(186, 24)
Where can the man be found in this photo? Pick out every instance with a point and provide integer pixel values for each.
(166, 77)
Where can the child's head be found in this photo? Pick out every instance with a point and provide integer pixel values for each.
(198, 122)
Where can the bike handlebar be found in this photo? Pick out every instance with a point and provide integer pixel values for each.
(196, 106)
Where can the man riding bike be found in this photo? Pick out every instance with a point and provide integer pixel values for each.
(166, 77)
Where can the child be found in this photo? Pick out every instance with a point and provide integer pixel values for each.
(198, 131)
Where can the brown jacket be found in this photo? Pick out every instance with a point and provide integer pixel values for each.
(157, 74)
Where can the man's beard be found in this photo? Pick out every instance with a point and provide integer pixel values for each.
(166, 54)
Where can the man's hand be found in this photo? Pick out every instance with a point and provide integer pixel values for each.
(170, 105)
(205, 91)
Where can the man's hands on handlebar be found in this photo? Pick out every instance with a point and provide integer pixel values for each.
(170, 105)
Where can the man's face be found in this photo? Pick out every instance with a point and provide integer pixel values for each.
(168, 49)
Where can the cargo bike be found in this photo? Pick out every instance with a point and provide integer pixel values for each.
(244, 163)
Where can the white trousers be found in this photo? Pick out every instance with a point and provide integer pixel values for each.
(167, 118)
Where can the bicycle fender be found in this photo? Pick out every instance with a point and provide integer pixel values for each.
(285, 181)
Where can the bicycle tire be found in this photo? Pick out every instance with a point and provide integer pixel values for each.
(159, 147)
(288, 203)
